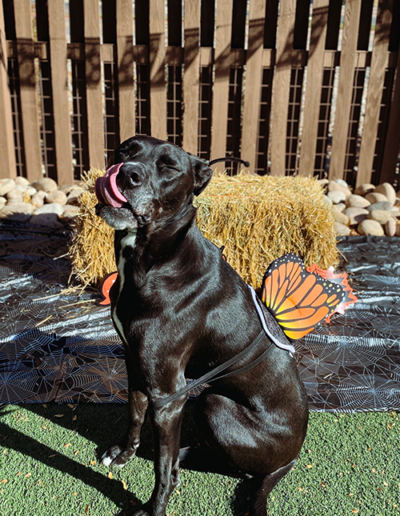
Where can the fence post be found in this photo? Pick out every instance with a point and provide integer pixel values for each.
(348, 58)
(315, 70)
(280, 100)
(252, 95)
(126, 91)
(221, 83)
(27, 81)
(375, 89)
(60, 93)
(191, 76)
(6, 124)
(94, 97)
(158, 96)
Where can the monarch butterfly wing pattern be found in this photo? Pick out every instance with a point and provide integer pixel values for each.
(299, 300)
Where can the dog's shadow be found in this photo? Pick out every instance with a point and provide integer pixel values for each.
(103, 436)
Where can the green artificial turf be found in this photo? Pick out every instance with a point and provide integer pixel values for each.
(49, 466)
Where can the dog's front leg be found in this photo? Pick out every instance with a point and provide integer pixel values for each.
(119, 454)
(166, 424)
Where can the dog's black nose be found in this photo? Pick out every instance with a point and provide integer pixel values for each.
(133, 173)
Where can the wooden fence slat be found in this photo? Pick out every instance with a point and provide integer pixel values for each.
(191, 76)
(280, 100)
(158, 97)
(126, 89)
(392, 144)
(315, 70)
(59, 80)
(252, 95)
(27, 80)
(345, 89)
(94, 97)
(6, 124)
(223, 32)
(375, 89)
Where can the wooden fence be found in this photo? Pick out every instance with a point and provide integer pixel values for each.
(295, 87)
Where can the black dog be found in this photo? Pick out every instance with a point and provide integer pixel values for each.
(181, 310)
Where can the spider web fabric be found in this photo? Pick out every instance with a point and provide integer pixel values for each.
(63, 347)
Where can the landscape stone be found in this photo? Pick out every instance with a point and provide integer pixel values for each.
(31, 191)
(341, 229)
(341, 217)
(38, 200)
(342, 182)
(20, 180)
(70, 212)
(19, 212)
(339, 207)
(6, 186)
(381, 216)
(15, 194)
(54, 207)
(356, 215)
(334, 186)
(56, 196)
(376, 197)
(364, 189)
(67, 188)
(390, 227)
(46, 184)
(336, 196)
(74, 195)
(387, 190)
(370, 227)
(383, 205)
(327, 201)
(357, 201)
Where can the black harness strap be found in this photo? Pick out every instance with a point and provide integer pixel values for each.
(212, 375)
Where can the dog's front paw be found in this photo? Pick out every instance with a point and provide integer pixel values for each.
(117, 456)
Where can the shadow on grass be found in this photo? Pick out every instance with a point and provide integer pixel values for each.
(103, 425)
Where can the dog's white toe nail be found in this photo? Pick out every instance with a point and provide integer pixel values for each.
(106, 461)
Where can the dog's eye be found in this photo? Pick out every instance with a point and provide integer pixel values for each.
(169, 168)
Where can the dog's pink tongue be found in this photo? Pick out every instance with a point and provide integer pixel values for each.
(106, 188)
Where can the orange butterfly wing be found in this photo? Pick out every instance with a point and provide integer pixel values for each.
(299, 300)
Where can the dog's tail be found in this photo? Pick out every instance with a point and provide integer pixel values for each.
(262, 488)
(228, 158)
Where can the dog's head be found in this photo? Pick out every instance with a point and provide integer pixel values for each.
(152, 180)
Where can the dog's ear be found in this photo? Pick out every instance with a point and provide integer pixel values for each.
(202, 174)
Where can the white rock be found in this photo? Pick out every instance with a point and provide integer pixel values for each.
(56, 196)
(74, 196)
(336, 196)
(21, 181)
(37, 200)
(31, 191)
(3, 200)
(381, 216)
(356, 201)
(339, 207)
(327, 201)
(15, 194)
(341, 229)
(46, 184)
(342, 218)
(390, 227)
(55, 208)
(364, 189)
(70, 212)
(46, 219)
(370, 227)
(387, 190)
(67, 188)
(356, 215)
(19, 212)
(334, 186)
(383, 205)
(6, 186)
(376, 197)
(342, 182)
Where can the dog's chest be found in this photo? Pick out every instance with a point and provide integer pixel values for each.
(128, 240)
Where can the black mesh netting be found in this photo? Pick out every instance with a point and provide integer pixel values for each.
(56, 346)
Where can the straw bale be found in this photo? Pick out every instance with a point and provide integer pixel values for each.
(257, 219)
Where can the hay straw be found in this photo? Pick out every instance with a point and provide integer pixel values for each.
(257, 219)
